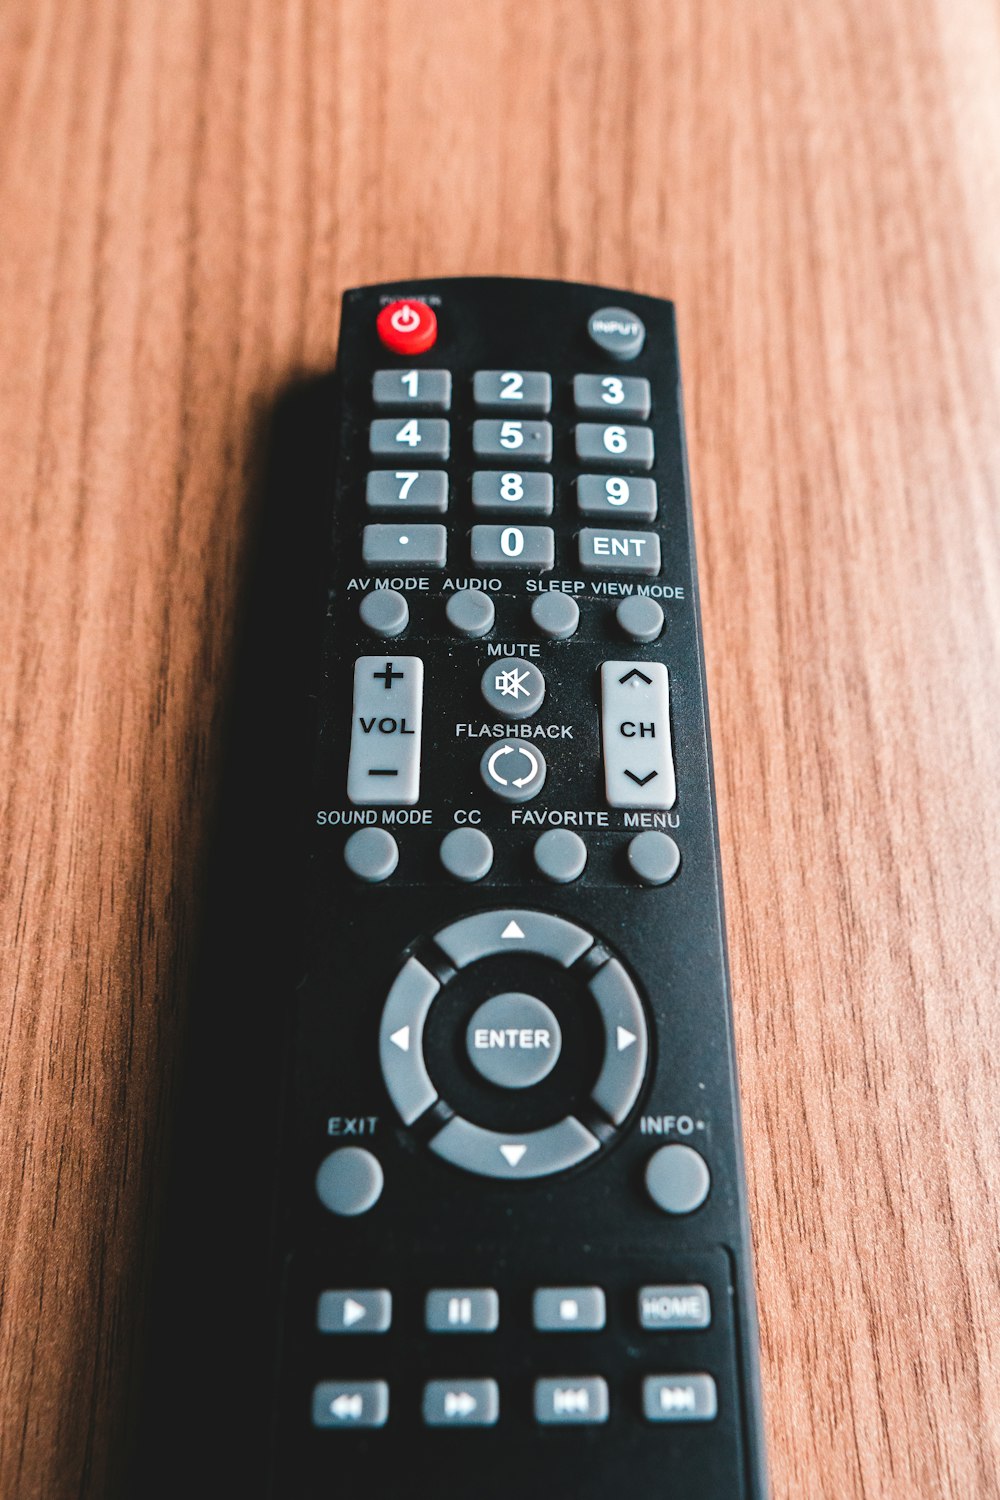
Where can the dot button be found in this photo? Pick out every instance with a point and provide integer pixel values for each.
(677, 1179)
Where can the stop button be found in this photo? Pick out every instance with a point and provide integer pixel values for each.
(407, 327)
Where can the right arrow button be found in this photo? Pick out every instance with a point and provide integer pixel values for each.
(626, 1044)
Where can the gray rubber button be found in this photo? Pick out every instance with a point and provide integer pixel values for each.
(614, 445)
(466, 854)
(519, 494)
(533, 1153)
(422, 390)
(626, 1044)
(461, 1403)
(513, 1040)
(410, 438)
(513, 930)
(371, 854)
(673, 1307)
(571, 1399)
(404, 546)
(513, 687)
(383, 768)
(677, 1179)
(513, 390)
(513, 771)
(400, 1042)
(619, 551)
(568, 1309)
(555, 615)
(560, 855)
(407, 489)
(465, 1310)
(635, 735)
(529, 547)
(653, 857)
(617, 332)
(354, 1312)
(639, 618)
(512, 441)
(471, 612)
(612, 395)
(384, 612)
(610, 495)
(349, 1181)
(350, 1403)
(679, 1398)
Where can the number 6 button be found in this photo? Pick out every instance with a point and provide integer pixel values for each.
(630, 447)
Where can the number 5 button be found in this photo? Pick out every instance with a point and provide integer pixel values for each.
(628, 447)
(528, 440)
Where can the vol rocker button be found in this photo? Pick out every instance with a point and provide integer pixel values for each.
(384, 765)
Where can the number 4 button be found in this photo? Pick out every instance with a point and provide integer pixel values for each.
(418, 438)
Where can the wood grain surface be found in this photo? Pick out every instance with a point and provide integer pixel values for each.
(185, 190)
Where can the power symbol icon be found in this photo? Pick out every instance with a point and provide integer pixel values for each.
(405, 319)
(407, 327)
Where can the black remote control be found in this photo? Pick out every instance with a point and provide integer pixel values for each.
(513, 1239)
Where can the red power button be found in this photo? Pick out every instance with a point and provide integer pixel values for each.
(407, 327)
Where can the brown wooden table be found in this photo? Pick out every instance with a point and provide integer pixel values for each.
(186, 189)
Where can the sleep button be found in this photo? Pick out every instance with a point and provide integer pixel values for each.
(513, 1040)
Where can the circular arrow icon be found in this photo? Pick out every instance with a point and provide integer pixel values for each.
(509, 786)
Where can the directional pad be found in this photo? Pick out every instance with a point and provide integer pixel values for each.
(513, 1041)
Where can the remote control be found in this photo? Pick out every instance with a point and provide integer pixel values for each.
(513, 1246)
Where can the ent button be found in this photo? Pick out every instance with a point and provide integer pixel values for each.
(635, 735)
(513, 1040)
(384, 765)
(619, 551)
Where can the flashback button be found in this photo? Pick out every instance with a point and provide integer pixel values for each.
(407, 326)
(512, 771)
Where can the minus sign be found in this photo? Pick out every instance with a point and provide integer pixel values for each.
(383, 773)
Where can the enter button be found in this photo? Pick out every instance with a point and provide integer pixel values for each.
(513, 1040)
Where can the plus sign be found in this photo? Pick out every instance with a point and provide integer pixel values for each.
(388, 676)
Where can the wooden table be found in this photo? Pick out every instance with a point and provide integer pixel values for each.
(186, 189)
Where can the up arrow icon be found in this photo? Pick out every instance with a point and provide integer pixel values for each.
(512, 931)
